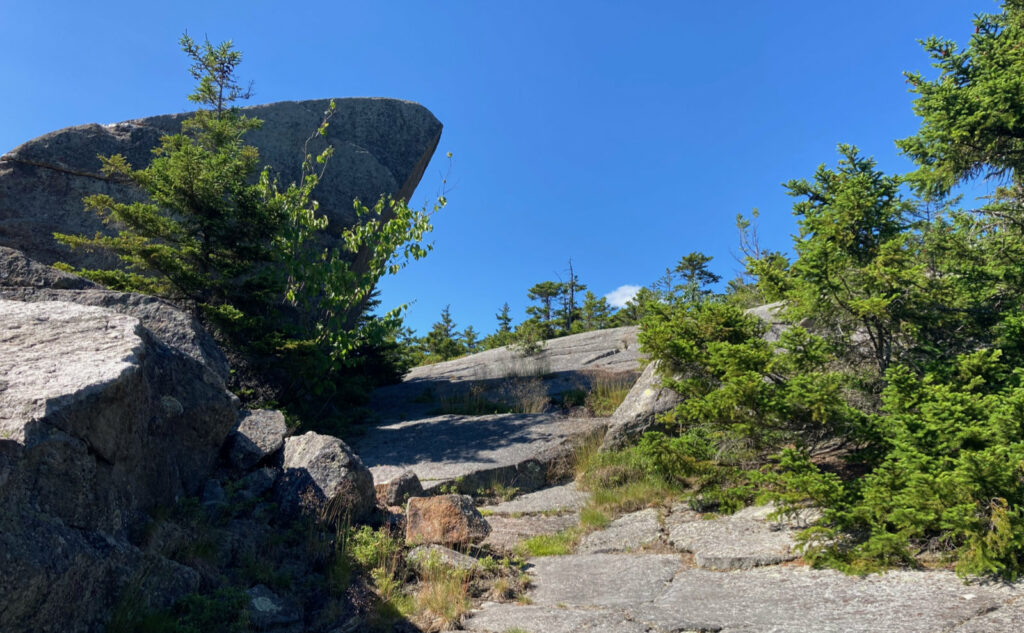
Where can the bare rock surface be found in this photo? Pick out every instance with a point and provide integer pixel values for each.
(444, 520)
(320, 472)
(474, 452)
(22, 279)
(771, 315)
(503, 374)
(800, 600)
(380, 146)
(602, 580)
(99, 422)
(499, 618)
(627, 533)
(507, 531)
(740, 541)
(562, 498)
(659, 594)
(104, 418)
(1005, 619)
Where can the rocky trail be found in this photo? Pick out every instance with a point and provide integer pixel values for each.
(657, 570)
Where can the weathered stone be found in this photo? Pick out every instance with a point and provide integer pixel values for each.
(54, 577)
(380, 146)
(563, 498)
(85, 423)
(99, 422)
(259, 435)
(322, 475)
(740, 541)
(506, 376)
(444, 520)
(625, 534)
(475, 452)
(269, 612)
(1005, 619)
(636, 415)
(398, 490)
(258, 482)
(507, 532)
(425, 554)
(770, 313)
(601, 580)
(500, 618)
(800, 600)
(22, 279)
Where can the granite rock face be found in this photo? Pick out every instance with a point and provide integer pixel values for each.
(322, 474)
(22, 279)
(99, 422)
(636, 415)
(380, 146)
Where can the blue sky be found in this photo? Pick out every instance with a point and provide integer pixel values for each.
(622, 136)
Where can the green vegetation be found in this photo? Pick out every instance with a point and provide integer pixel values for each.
(898, 407)
(223, 237)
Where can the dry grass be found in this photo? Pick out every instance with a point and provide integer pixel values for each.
(527, 395)
(473, 402)
(441, 597)
(607, 391)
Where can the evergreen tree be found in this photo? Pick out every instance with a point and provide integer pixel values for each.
(858, 261)
(595, 314)
(636, 308)
(546, 294)
(504, 319)
(470, 342)
(442, 342)
(696, 277)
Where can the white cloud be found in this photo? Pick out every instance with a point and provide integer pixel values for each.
(621, 295)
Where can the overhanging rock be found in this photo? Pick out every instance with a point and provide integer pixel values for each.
(380, 146)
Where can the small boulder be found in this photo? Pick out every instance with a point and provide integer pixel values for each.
(636, 415)
(444, 520)
(322, 477)
(423, 555)
(259, 435)
(397, 491)
(258, 482)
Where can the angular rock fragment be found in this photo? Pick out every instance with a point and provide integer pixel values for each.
(323, 478)
(397, 491)
(444, 520)
(259, 435)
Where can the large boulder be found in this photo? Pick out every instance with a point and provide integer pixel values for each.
(100, 422)
(638, 412)
(22, 279)
(380, 146)
(324, 479)
(98, 419)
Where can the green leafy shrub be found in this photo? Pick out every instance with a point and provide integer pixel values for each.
(221, 236)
